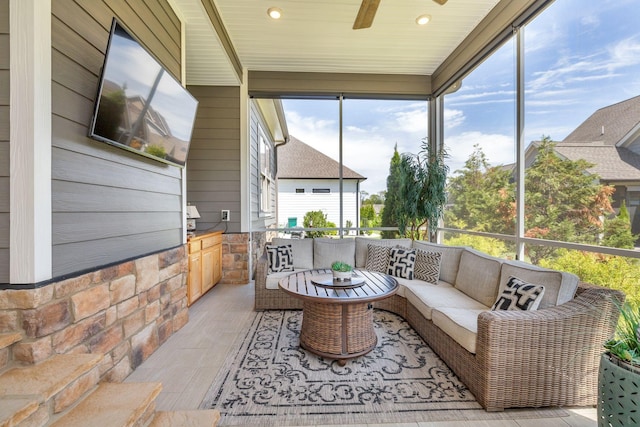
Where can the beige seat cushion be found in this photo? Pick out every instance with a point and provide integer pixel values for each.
(362, 242)
(426, 297)
(326, 251)
(273, 278)
(559, 286)
(302, 251)
(460, 324)
(450, 258)
(479, 276)
(406, 283)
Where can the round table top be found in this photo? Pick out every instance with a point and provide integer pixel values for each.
(307, 285)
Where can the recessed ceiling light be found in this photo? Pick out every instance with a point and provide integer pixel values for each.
(274, 12)
(423, 19)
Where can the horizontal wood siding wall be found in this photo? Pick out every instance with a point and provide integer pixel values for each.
(4, 141)
(213, 165)
(108, 204)
(254, 181)
(292, 204)
(259, 221)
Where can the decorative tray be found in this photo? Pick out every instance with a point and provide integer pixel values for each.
(330, 282)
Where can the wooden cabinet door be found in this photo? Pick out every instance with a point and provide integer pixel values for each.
(217, 263)
(208, 264)
(194, 280)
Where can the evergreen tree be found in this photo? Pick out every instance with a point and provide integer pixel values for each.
(562, 201)
(617, 231)
(623, 213)
(481, 197)
(389, 215)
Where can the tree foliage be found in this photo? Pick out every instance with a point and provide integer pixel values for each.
(488, 245)
(562, 201)
(481, 197)
(605, 270)
(368, 217)
(315, 219)
(389, 215)
(421, 194)
(617, 230)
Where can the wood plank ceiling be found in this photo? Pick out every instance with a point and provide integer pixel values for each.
(317, 36)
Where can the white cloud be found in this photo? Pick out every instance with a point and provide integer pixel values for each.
(412, 121)
(624, 53)
(499, 149)
(453, 118)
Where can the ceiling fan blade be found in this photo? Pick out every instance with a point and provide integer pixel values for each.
(440, 2)
(366, 14)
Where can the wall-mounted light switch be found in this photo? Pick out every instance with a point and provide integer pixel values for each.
(224, 215)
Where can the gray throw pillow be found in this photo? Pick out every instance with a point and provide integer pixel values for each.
(377, 258)
(427, 266)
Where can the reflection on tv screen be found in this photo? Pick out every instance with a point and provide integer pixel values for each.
(140, 106)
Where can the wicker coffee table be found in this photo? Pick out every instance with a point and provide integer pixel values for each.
(337, 321)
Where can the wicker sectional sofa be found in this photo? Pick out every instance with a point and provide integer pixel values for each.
(508, 359)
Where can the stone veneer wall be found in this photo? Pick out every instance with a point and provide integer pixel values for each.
(235, 258)
(124, 312)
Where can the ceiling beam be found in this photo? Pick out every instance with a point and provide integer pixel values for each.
(223, 37)
(388, 86)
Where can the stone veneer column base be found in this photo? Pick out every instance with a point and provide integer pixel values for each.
(124, 312)
(235, 258)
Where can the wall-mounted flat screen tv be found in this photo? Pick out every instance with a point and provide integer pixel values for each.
(140, 106)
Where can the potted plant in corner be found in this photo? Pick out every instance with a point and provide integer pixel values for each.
(341, 271)
(619, 373)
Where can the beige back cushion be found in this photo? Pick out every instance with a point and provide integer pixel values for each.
(450, 258)
(479, 276)
(559, 286)
(326, 251)
(362, 242)
(302, 251)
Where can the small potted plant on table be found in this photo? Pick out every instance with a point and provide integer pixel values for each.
(619, 374)
(341, 271)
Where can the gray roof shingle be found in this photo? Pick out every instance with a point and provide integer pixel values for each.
(611, 163)
(616, 120)
(298, 160)
(596, 139)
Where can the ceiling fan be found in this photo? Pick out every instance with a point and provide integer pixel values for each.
(368, 10)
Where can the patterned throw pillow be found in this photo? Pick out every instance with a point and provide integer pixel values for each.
(427, 266)
(280, 258)
(519, 295)
(401, 262)
(377, 258)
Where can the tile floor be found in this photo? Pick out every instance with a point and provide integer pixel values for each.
(187, 363)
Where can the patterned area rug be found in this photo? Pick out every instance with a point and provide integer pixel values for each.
(269, 381)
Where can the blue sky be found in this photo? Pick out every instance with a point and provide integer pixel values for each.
(580, 55)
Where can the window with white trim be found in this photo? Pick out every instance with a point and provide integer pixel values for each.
(265, 175)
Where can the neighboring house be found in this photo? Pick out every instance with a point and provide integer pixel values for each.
(308, 180)
(610, 140)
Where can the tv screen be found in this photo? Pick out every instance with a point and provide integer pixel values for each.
(140, 106)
